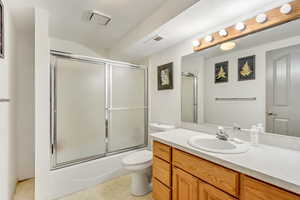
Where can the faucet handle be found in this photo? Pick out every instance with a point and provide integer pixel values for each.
(221, 129)
(221, 134)
(236, 127)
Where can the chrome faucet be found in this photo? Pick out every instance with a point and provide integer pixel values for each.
(221, 134)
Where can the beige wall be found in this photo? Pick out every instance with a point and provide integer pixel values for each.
(8, 144)
(25, 106)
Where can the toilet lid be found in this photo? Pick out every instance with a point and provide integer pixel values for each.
(139, 157)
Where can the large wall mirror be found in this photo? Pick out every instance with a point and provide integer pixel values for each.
(254, 79)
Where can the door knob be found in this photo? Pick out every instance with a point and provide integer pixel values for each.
(271, 114)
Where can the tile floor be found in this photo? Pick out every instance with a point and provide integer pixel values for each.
(25, 190)
(115, 189)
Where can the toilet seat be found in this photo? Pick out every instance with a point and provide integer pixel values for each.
(140, 157)
(138, 160)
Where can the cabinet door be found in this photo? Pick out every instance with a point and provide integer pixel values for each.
(185, 186)
(252, 189)
(208, 192)
(160, 191)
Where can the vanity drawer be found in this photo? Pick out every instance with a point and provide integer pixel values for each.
(160, 191)
(208, 192)
(252, 189)
(218, 176)
(162, 151)
(162, 171)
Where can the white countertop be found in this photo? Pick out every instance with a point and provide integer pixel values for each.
(277, 166)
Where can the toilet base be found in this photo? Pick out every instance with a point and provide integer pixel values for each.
(140, 183)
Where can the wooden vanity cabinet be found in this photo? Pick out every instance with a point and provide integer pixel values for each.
(185, 186)
(208, 192)
(178, 175)
(252, 189)
(225, 179)
(188, 187)
(162, 172)
(160, 191)
(162, 151)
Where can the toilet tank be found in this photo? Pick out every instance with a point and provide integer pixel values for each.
(158, 127)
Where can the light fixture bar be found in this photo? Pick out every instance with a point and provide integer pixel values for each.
(285, 13)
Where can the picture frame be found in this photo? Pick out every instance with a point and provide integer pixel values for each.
(246, 68)
(221, 72)
(165, 76)
(1, 29)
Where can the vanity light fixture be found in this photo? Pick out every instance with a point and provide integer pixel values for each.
(196, 43)
(240, 26)
(261, 18)
(286, 9)
(209, 38)
(226, 46)
(223, 33)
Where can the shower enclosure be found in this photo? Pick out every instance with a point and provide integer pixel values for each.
(189, 97)
(98, 108)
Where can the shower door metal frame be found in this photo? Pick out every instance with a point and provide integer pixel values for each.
(108, 106)
(195, 95)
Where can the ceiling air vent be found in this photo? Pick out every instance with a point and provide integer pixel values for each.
(157, 38)
(99, 18)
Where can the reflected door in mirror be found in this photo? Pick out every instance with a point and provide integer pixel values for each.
(283, 83)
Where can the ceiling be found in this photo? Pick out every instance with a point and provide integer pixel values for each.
(204, 17)
(67, 18)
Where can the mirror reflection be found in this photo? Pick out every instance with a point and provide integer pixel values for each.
(248, 81)
(189, 83)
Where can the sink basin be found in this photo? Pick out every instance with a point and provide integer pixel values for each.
(212, 144)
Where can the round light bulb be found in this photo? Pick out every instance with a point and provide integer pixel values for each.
(209, 38)
(227, 46)
(286, 9)
(240, 26)
(196, 43)
(261, 18)
(223, 33)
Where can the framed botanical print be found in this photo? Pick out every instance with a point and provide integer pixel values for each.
(221, 72)
(165, 76)
(246, 68)
(1, 30)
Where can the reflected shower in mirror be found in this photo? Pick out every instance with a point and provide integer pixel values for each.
(260, 82)
(189, 100)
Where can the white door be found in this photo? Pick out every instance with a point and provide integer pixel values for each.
(283, 86)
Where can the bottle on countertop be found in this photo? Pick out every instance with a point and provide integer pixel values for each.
(254, 135)
(260, 128)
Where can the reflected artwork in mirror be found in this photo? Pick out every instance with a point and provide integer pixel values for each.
(221, 72)
(262, 82)
(246, 68)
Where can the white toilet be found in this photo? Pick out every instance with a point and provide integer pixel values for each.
(140, 164)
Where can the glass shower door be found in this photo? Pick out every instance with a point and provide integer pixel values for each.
(127, 109)
(79, 110)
